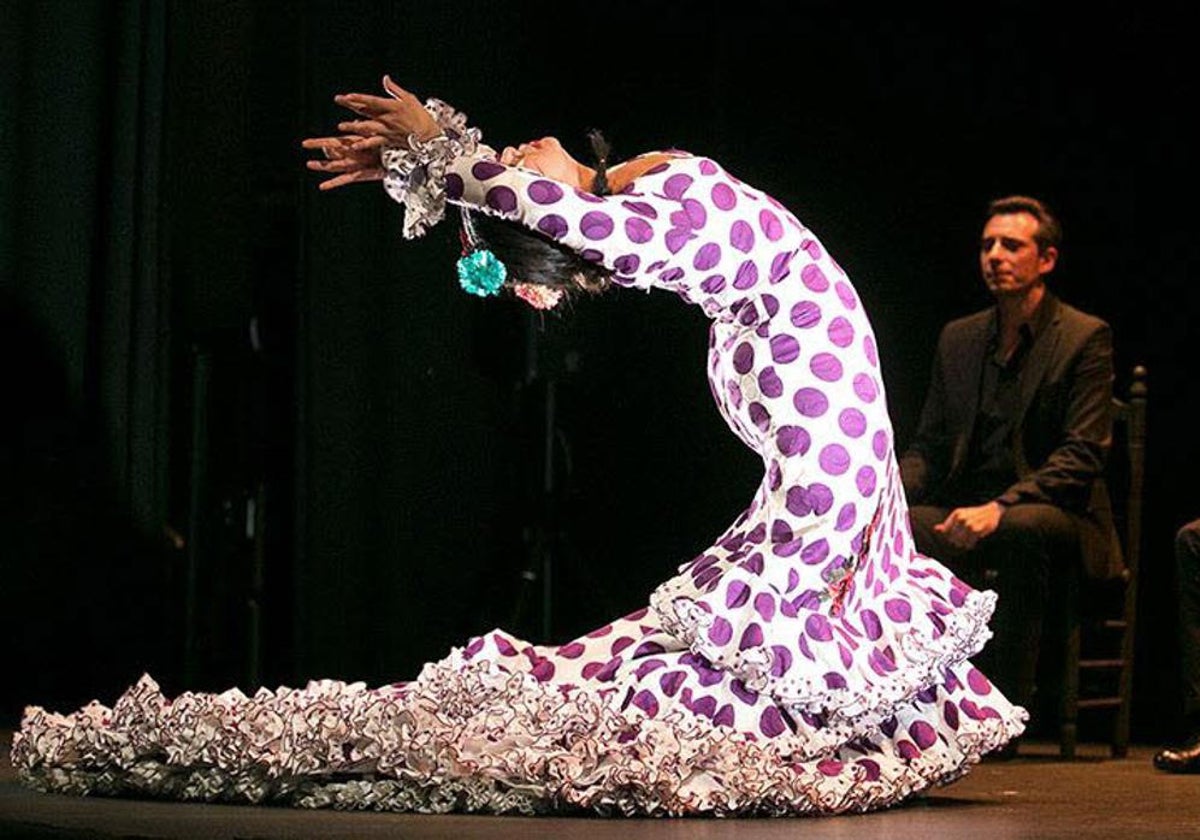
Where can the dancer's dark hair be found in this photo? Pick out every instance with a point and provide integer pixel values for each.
(531, 257)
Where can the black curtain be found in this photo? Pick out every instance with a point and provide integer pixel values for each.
(85, 332)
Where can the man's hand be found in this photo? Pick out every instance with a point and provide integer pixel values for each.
(966, 526)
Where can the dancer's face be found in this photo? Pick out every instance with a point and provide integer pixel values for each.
(549, 158)
(1009, 256)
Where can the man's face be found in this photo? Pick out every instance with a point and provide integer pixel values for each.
(1009, 256)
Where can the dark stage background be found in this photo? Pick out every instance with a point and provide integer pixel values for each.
(249, 435)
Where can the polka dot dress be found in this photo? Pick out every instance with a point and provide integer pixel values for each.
(809, 661)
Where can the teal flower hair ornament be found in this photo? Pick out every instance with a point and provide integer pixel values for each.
(481, 273)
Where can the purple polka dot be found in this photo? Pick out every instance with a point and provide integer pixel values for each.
(770, 723)
(752, 637)
(815, 552)
(707, 167)
(907, 750)
(950, 714)
(695, 211)
(771, 304)
(834, 459)
(840, 332)
(834, 680)
(792, 440)
(879, 444)
(978, 682)
(677, 185)
(846, 294)
(770, 225)
(898, 610)
(865, 480)
(720, 632)
(584, 195)
(713, 284)
(781, 531)
(543, 671)
(638, 230)
(743, 358)
(870, 350)
(454, 186)
(544, 192)
(747, 275)
(591, 255)
(759, 416)
(705, 707)
(741, 236)
(784, 349)
(814, 278)
(735, 394)
(846, 516)
(871, 625)
(769, 383)
(821, 498)
(671, 681)
(811, 402)
(852, 422)
(505, 646)
(782, 662)
(923, 733)
(806, 314)
(619, 644)
(708, 256)
(797, 501)
(485, 169)
(723, 197)
(737, 594)
(817, 627)
(671, 275)
(869, 768)
(571, 651)
(553, 225)
(626, 264)
(501, 198)
(829, 767)
(678, 237)
(826, 367)
(780, 266)
(649, 649)
(764, 605)
(596, 225)
(641, 208)
(865, 387)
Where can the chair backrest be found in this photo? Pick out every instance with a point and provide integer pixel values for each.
(1129, 422)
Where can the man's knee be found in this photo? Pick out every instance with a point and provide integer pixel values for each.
(1045, 525)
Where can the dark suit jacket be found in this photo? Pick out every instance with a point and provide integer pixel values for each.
(1063, 430)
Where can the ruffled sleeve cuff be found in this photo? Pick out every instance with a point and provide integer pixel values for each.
(415, 175)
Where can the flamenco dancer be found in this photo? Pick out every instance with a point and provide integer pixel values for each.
(809, 661)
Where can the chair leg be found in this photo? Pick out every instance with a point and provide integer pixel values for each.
(1069, 701)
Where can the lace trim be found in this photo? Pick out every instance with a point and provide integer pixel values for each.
(416, 176)
(844, 710)
(467, 736)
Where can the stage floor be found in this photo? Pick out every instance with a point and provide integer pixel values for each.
(1035, 795)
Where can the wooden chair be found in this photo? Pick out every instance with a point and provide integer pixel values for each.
(1101, 617)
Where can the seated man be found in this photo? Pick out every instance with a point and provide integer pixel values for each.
(1004, 475)
(1186, 759)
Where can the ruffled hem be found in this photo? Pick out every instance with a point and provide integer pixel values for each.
(875, 683)
(470, 736)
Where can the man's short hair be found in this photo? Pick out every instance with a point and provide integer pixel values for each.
(1049, 232)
